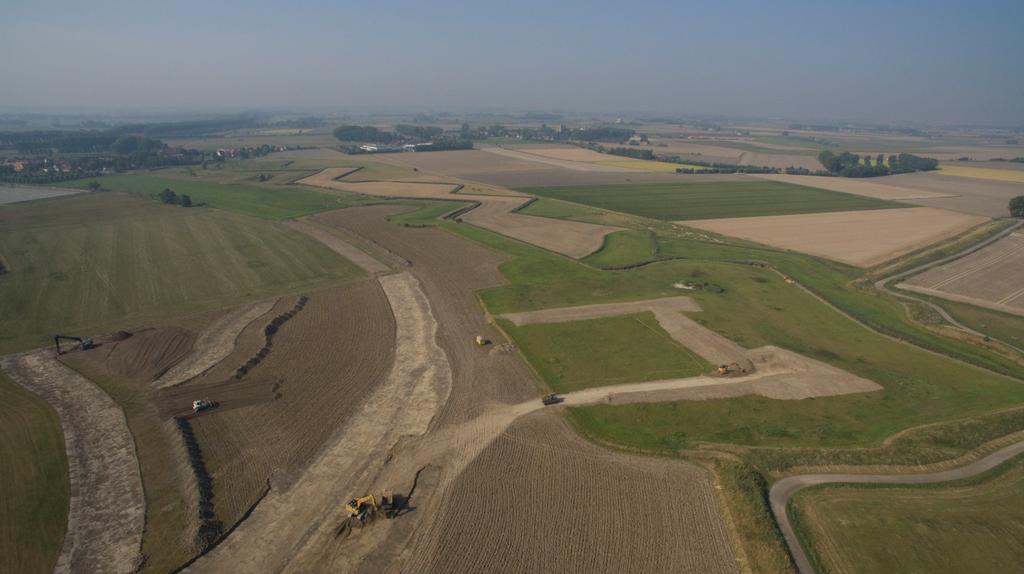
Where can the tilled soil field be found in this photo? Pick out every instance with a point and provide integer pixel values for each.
(214, 343)
(324, 361)
(969, 195)
(541, 499)
(990, 277)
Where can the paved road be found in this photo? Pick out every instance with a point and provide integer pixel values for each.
(783, 490)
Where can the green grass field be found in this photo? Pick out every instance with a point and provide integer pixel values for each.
(758, 308)
(557, 209)
(711, 200)
(576, 355)
(33, 482)
(624, 248)
(975, 525)
(263, 201)
(96, 262)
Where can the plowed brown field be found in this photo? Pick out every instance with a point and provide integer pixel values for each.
(324, 361)
(541, 499)
(991, 277)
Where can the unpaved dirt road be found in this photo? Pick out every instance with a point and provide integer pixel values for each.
(494, 212)
(214, 344)
(107, 509)
(783, 490)
(768, 371)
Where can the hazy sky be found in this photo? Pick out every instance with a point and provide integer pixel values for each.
(884, 61)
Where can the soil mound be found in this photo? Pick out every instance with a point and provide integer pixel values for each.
(150, 353)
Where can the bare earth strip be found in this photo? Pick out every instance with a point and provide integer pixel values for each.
(16, 193)
(862, 238)
(214, 344)
(339, 246)
(573, 165)
(286, 522)
(497, 213)
(857, 186)
(775, 373)
(990, 277)
(783, 490)
(107, 509)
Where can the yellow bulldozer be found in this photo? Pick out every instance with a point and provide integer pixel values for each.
(362, 507)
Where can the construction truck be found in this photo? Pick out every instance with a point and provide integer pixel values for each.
(84, 344)
(730, 369)
(551, 399)
(201, 405)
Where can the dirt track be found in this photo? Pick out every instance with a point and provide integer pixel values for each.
(771, 372)
(214, 344)
(107, 508)
(496, 213)
(782, 491)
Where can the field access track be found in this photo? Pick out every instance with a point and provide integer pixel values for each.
(107, 508)
(768, 371)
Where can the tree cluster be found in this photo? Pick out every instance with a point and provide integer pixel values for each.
(424, 133)
(848, 164)
(368, 134)
(1017, 206)
(170, 198)
(638, 153)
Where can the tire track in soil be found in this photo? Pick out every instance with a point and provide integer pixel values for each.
(106, 515)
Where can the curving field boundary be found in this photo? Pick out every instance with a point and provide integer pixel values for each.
(106, 514)
(782, 491)
(496, 213)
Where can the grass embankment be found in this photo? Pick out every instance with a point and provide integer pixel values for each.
(624, 248)
(555, 209)
(33, 481)
(95, 262)
(710, 200)
(974, 525)
(575, 355)
(263, 201)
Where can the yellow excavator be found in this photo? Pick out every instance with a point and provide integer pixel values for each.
(362, 507)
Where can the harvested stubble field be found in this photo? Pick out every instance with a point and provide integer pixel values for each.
(541, 499)
(974, 525)
(967, 195)
(862, 238)
(316, 389)
(990, 277)
(989, 173)
(497, 213)
(742, 154)
(712, 199)
(99, 262)
(19, 193)
(875, 187)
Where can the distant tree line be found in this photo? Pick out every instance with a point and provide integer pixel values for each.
(848, 164)
(638, 153)
(367, 134)
(424, 133)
